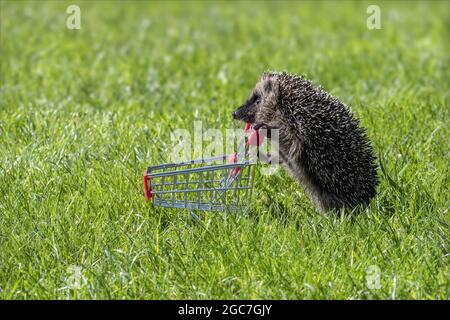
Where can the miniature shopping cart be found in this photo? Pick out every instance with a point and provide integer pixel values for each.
(221, 183)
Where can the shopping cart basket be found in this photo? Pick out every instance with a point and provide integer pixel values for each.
(221, 183)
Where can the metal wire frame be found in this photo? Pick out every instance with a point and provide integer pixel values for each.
(201, 184)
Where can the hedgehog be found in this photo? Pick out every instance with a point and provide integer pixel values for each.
(321, 143)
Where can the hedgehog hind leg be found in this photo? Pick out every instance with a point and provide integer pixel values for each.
(324, 200)
(329, 202)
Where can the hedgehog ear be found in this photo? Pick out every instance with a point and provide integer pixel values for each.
(271, 91)
(271, 87)
(268, 85)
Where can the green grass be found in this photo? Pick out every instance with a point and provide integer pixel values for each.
(82, 113)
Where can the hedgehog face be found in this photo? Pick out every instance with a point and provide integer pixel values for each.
(261, 107)
(247, 111)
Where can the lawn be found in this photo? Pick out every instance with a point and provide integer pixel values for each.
(83, 112)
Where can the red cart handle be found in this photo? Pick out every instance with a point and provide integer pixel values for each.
(255, 139)
(147, 187)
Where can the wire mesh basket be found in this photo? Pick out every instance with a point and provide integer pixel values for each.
(203, 184)
(221, 183)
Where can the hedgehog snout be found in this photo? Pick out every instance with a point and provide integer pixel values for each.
(239, 113)
(242, 113)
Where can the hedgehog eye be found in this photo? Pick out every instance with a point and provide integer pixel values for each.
(257, 99)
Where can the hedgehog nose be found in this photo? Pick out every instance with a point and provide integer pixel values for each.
(234, 115)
